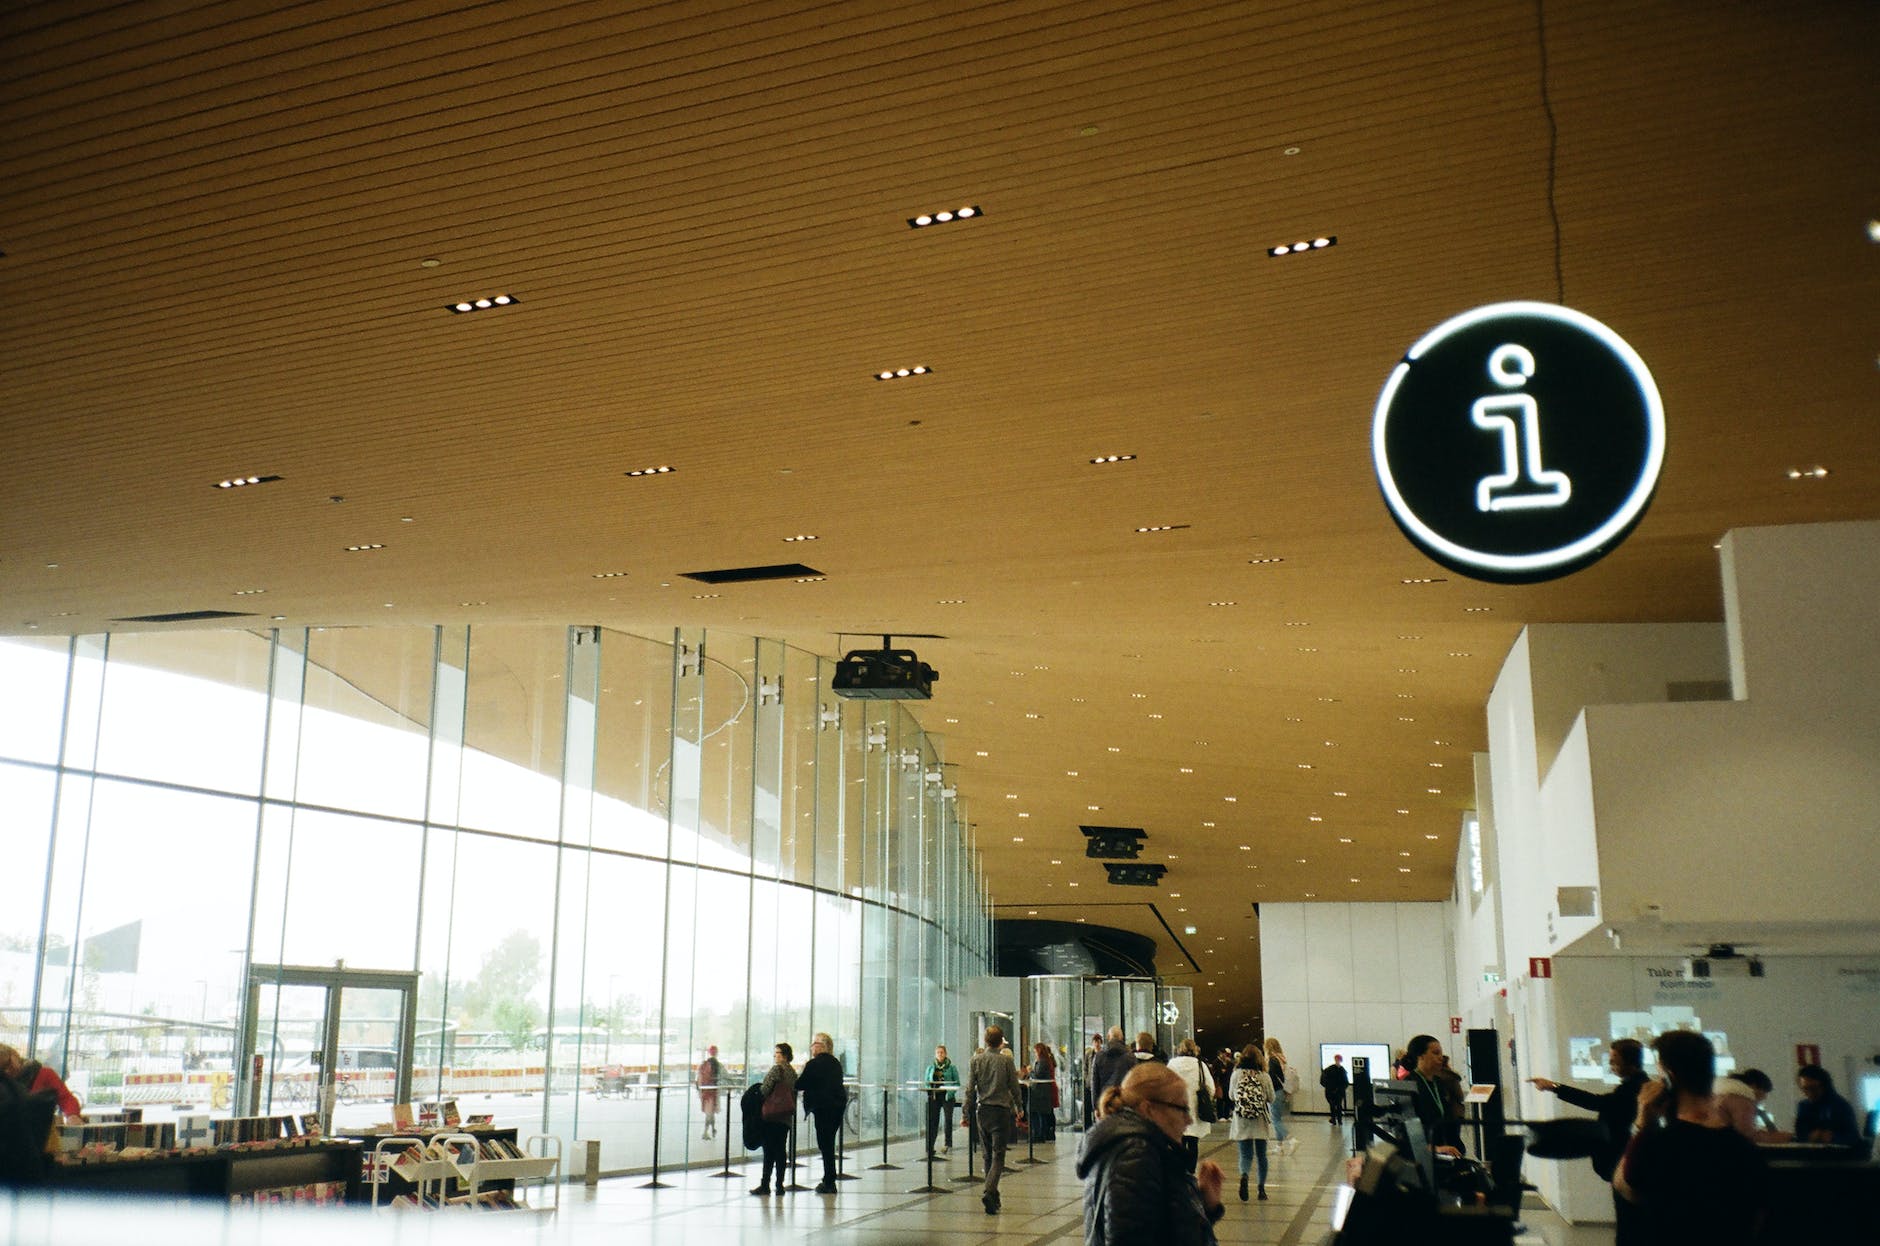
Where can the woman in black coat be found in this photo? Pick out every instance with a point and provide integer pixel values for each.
(1137, 1191)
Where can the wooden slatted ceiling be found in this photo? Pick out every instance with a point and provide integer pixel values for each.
(214, 215)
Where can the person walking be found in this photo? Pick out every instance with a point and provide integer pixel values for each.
(1250, 1090)
(1335, 1080)
(991, 1103)
(824, 1098)
(942, 1074)
(1137, 1188)
(779, 1109)
(710, 1070)
(1285, 1081)
(1187, 1065)
(1109, 1066)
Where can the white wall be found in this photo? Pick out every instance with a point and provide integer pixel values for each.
(1361, 973)
(1751, 820)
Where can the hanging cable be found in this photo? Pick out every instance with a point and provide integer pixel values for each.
(1553, 150)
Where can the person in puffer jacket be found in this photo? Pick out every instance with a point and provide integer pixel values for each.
(1137, 1191)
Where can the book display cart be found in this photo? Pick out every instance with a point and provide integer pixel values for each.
(487, 1173)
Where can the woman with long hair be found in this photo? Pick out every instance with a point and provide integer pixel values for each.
(1187, 1066)
(1041, 1094)
(1250, 1091)
(1285, 1081)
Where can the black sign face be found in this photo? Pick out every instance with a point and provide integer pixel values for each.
(1518, 442)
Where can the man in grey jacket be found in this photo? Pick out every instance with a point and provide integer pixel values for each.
(991, 1100)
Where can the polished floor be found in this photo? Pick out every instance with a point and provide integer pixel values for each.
(1043, 1203)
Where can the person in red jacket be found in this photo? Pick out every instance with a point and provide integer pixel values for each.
(33, 1077)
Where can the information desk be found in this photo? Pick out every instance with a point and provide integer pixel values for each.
(221, 1174)
(1827, 1196)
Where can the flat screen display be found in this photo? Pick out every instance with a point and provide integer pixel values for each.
(1377, 1053)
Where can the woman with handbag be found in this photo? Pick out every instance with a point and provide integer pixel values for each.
(1187, 1066)
(779, 1111)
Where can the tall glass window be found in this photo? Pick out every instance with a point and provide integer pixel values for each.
(597, 855)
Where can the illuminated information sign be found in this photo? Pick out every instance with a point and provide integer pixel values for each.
(1518, 442)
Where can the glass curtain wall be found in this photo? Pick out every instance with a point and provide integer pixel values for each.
(601, 855)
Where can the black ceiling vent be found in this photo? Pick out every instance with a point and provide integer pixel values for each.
(744, 575)
(185, 616)
(1135, 873)
(1116, 843)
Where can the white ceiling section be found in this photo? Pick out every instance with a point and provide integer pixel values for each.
(218, 222)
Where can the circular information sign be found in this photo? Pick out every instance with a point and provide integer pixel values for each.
(1518, 442)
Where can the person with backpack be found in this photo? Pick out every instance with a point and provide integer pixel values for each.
(1251, 1125)
(1334, 1080)
(1285, 1082)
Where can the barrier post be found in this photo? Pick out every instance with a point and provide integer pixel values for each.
(658, 1103)
(970, 1120)
(591, 1171)
(884, 1165)
(930, 1187)
(724, 1106)
(842, 1128)
(795, 1186)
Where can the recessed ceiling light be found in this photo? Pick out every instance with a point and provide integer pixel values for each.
(1456, 654)
(1024, 815)
(1207, 824)
(1407, 811)
(810, 579)
(1223, 603)
(1403, 852)
(1018, 839)
(1071, 773)
(1477, 609)
(1807, 473)
(650, 471)
(1434, 791)
(1261, 562)
(951, 601)
(1114, 749)
(473, 603)
(705, 596)
(606, 575)
(1094, 808)
(1424, 579)
(983, 753)
(1343, 840)
(902, 373)
(1873, 230)
(1313, 817)
(1309, 244)
(1155, 715)
(239, 482)
(1305, 765)
(249, 592)
(1429, 837)
(1186, 769)
(941, 218)
(1164, 527)
(360, 549)
(276, 617)
(1031, 716)
(1308, 649)
(482, 304)
(1338, 793)
(1113, 458)
(800, 537)
(1436, 765)
(1403, 869)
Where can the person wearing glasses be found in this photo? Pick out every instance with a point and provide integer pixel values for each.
(1137, 1187)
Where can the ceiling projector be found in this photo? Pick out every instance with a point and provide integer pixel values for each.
(883, 674)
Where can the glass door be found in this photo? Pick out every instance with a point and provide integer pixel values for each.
(332, 1043)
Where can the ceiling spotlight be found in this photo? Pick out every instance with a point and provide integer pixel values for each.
(1113, 458)
(238, 482)
(799, 538)
(899, 373)
(1807, 473)
(606, 575)
(1166, 527)
(810, 579)
(1311, 244)
(1263, 562)
(360, 549)
(650, 471)
(940, 218)
(483, 304)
